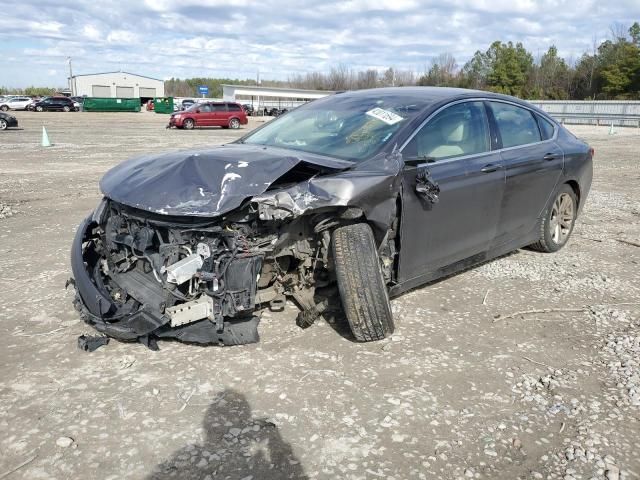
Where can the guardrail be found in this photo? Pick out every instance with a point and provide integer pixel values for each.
(613, 112)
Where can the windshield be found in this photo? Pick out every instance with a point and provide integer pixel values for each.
(351, 127)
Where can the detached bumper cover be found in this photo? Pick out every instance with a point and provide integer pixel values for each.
(98, 310)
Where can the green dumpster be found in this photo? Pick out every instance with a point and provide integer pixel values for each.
(100, 104)
(163, 104)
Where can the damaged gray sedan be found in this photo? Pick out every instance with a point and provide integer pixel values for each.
(374, 192)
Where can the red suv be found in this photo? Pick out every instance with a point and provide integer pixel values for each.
(210, 114)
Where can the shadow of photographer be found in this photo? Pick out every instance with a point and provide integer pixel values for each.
(237, 446)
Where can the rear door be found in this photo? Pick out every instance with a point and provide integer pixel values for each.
(533, 165)
(220, 114)
(454, 149)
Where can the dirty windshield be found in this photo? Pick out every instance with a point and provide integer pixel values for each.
(350, 127)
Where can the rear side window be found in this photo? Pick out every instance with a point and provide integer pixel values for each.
(218, 107)
(456, 131)
(546, 127)
(233, 107)
(516, 125)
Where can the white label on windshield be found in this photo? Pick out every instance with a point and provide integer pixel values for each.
(385, 116)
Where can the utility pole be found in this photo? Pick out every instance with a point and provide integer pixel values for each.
(70, 76)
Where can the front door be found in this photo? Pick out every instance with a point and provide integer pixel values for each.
(452, 154)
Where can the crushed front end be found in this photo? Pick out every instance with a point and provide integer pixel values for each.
(140, 276)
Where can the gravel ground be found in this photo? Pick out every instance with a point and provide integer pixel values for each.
(525, 367)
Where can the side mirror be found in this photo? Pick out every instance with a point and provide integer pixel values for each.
(427, 187)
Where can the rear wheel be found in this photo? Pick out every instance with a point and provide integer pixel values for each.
(557, 221)
(188, 124)
(39, 108)
(363, 292)
(3, 124)
(4, 108)
(234, 123)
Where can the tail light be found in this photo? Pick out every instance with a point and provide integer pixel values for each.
(592, 151)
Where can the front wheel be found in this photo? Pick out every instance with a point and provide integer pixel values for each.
(363, 292)
(557, 221)
(234, 123)
(4, 108)
(39, 109)
(188, 124)
(3, 124)
(66, 108)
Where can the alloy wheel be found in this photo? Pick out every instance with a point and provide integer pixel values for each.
(3, 124)
(562, 218)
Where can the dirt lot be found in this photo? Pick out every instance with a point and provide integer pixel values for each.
(466, 387)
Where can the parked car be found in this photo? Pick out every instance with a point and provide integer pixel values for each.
(186, 104)
(7, 121)
(209, 114)
(15, 103)
(248, 109)
(47, 104)
(32, 105)
(364, 194)
(276, 112)
(77, 102)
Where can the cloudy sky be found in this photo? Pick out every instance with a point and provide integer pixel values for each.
(235, 38)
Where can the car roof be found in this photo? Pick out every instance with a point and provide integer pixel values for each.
(431, 95)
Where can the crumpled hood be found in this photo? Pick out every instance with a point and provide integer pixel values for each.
(204, 182)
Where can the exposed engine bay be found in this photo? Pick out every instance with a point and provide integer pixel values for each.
(201, 281)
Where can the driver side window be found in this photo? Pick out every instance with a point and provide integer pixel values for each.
(456, 131)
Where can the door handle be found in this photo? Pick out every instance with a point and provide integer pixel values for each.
(549, 156)
(490, 168)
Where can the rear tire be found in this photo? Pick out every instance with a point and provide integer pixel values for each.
(234, 123)
(188, 124)
(4, 108)
(39, 109)
(3, 124)
(363, 292)
(557, 221)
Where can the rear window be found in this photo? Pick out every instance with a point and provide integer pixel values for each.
(517, 125)
(546, 127)
(233, 107)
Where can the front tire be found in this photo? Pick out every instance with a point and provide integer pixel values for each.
(66, 109)
(3, 124)
(557, 221)
(188, 124)
(4, 108)
(39, 109)
(363, 292)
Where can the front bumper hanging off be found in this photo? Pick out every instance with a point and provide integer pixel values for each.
(98, 309)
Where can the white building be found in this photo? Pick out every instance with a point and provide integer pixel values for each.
(260, 97)
(116, 85)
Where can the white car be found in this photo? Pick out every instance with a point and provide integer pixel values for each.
(15, 103)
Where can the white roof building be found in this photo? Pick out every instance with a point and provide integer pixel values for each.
(117, 85)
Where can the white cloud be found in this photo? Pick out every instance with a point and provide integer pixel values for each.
(167, 38)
